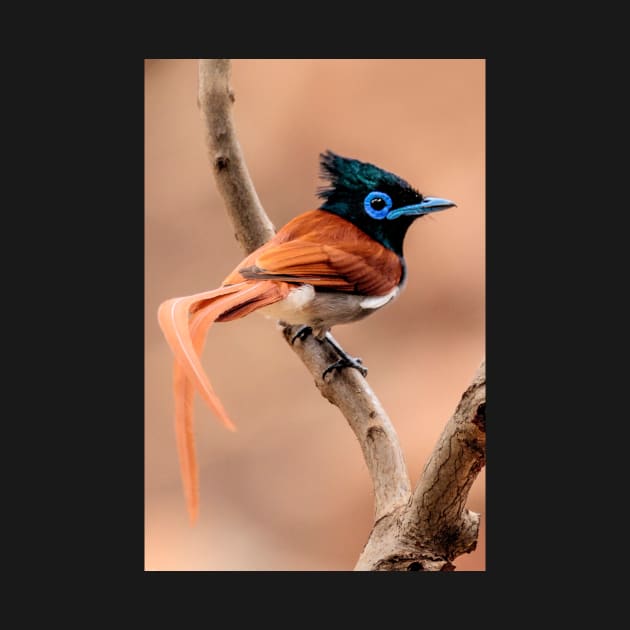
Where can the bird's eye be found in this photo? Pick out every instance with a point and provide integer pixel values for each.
(377, 204)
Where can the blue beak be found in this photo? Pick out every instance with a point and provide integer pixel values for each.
(429, 204)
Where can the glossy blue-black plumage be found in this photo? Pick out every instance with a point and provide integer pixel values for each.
(351, 181)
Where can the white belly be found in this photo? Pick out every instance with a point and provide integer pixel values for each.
(292, 308)
(323, 310)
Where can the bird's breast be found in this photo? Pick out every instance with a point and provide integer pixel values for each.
(324, 309)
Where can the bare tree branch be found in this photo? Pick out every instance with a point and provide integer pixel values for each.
(435, 527)
(253, 227)
(423, 531)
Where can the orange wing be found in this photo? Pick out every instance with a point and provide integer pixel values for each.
(324, 250)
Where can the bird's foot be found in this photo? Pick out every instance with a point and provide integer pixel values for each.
(302, 333)
(346, 361)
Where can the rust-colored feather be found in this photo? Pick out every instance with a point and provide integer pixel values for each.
(173, 316)
(184, 392)
(185, 323)
(328, 252)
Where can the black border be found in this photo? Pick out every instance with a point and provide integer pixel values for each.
(110, 264)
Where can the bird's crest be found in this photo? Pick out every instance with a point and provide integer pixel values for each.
(347, 175)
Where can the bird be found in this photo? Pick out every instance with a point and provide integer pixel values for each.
(333, 265)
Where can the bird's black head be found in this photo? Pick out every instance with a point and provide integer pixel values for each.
(378, 202)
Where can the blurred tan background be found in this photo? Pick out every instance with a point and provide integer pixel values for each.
(290, 490)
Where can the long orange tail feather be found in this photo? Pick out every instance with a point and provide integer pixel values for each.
(185, 323)
(185, 439)
(184, 392)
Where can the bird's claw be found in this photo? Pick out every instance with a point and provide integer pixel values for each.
(302, 333)
(345, 361)
(349, 362)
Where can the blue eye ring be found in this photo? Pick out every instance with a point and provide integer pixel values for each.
(376, 197)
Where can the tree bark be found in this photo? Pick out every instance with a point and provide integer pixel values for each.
(435, 527)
